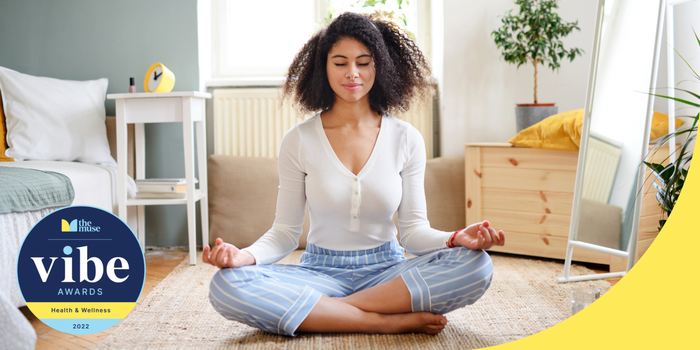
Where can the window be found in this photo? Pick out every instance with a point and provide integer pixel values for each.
(403, 12)
(254, 42)
(259, 38)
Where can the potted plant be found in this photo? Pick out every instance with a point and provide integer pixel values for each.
(670, 178)
(534, 36)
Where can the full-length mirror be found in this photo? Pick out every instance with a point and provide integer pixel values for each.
(615, 130)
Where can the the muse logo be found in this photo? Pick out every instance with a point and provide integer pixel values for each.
(78, 226)
(77, 281)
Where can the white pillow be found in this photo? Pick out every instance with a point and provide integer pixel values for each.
(53, 119)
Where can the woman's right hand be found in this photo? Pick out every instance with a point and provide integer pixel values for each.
(226, 255)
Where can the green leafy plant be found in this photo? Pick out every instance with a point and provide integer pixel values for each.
(670, 178)
(534, 36)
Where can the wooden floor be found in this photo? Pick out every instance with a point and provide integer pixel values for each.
(159, 263)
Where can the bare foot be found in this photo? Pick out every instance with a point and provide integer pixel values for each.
(332, 315)
(412, 322)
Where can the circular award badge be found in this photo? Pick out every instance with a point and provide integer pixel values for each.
(81, 270)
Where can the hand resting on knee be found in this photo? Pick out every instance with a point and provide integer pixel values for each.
(478, 236)
(226, 255)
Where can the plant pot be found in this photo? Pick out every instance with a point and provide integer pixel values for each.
(528, 114)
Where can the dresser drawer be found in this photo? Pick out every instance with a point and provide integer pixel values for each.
(526, 192)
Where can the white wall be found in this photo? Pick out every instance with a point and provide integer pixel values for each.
(480, 89)
(685, 19)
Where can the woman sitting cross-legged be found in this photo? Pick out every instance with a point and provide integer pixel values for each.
(355, 166)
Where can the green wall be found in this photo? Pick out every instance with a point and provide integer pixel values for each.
(90, 39)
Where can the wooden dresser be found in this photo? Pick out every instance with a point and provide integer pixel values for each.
(528, 193)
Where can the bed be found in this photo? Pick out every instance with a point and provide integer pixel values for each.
(93, 185)
(54, 126)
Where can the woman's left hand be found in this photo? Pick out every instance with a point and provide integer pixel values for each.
(479, 236)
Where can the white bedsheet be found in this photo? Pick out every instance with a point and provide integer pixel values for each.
(94, 185)
(13, 228)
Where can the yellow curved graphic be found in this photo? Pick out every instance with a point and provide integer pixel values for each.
(65, 226)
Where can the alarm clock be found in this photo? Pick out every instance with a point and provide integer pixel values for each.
(159, 79)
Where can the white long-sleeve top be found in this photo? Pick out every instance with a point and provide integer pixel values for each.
(348, 211)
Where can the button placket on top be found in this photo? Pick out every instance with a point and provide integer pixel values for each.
(355, 205)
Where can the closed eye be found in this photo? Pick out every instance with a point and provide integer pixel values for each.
(359, 64)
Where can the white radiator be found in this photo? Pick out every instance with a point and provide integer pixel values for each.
(250, 122)
(602, 159)
(421, 117)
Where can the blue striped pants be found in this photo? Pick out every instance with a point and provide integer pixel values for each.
(277, 298)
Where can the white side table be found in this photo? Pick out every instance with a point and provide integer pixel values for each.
(186, 107)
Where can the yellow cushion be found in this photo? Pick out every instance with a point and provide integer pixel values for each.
(563, 131)
(659, 125)
(3, 133)
(559, 132)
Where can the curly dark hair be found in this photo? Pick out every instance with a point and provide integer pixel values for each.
(402, 73)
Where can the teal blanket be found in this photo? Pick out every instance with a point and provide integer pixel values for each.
(24, 189)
